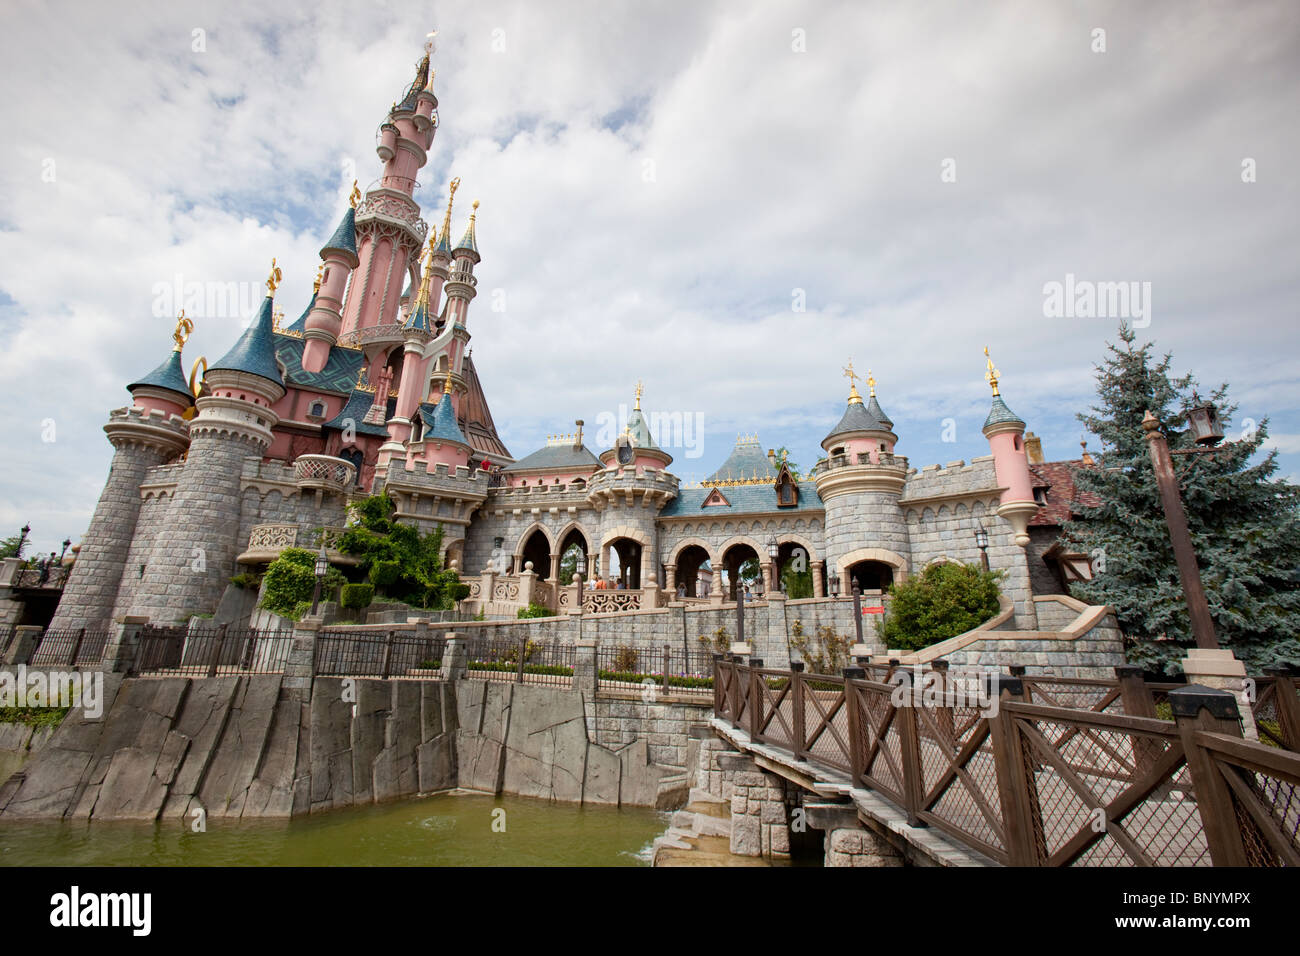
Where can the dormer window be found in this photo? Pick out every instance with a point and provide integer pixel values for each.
(317, 409)
(787, 492)
(1040, 495)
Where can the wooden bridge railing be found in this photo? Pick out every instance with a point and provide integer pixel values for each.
(1030, 783)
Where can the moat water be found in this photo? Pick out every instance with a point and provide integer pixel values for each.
(451, 829)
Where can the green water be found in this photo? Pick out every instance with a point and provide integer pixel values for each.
(451, 829)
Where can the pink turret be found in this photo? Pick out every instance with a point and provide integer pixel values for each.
(324, 322)
(388, 223)
(1005, 432)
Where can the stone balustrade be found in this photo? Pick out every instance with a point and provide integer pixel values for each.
(324, 473)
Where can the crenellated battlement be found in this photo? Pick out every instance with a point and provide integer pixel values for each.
(646, 486)
(151, 428)
(954, 478)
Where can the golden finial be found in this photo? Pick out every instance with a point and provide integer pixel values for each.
(446, 386)
(638, 396)
(429, 86)
(355, 196)
(991, 374)
(451, 196)
(197, 376)
(273, 281)
(277, 316)
(361, 376)
(473, 210)
(871, 384)
(428, 41)
(320, 271)
(184, 327)
(852, 376)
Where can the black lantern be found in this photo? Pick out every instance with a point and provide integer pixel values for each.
(982, 542)
(1203, 421)
(835, 585)
(322, 568)
(22, 538)
(67, 543)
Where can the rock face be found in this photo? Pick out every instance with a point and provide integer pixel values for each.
(237, 747)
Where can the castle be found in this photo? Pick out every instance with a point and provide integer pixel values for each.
(373, 387)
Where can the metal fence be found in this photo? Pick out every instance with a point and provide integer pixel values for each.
(1032, 784)
(520, 661)
(343, 652)
(70, 647)
(674, 670)
(211, 652)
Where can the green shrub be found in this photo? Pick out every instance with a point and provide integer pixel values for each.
(290, 580)
(943, 601)
(625, 659)
(720, 642)
(246, 581)
(354, 597)
(826, 653)
(533, 610)
(384, 574)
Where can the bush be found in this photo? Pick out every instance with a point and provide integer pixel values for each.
(625, 659)
(246, 581)
(943, 601)
(290, 580)
(827, 653)
(533, 610)
(384, 574)
(720, 642)
(356, 596)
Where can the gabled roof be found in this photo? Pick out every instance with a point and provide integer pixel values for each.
(354, 412)
(168, 375)
(440, 422)
(746, 462)
(578, 458)
(1062, 494)
(339, 374)
(744, 499)
(254, 353)
(1000, 414)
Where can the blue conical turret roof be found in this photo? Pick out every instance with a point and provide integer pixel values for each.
(440, 422)
(300, 324)
(168, 375)
(344, 238)
(1000, 414)
(254, 353)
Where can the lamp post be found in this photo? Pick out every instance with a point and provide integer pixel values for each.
(67, 543)
(835, 586)
(857, 610)
(1204, 426)
(22, 539)
(322, 567)
(982, 542)
(773, 550)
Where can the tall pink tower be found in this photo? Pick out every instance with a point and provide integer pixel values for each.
(388, 235)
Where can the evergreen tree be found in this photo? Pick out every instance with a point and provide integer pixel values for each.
(1244, 523)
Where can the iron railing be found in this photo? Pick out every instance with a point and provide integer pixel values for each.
(70, 647)
(344, 652)
(520, 661)
(211, 651)
(673, 670)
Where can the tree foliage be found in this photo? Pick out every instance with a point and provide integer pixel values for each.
(290, 581)
(1244, 523)
(402, 563)
(9, 547)
(945, 600)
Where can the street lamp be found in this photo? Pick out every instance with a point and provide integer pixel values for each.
(322, 568)
(835, 585)
(773, 549)
(67, 543)
(857, 610)
(982, 542)
(22, 538)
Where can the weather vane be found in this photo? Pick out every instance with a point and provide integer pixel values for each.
(991, 374)
(429, 45)
(184, 327)
(853, 377)
(638, 395)
(273, 280)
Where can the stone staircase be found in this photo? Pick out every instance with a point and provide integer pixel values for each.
(700, 835)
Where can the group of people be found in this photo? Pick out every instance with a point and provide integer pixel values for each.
(45, 566)
(606, 584)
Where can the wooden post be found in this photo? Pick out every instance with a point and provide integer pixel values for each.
(797, 690)
(1134, 692)
(1204, 708)
(910, 747)
(1022, 820)
(755, 698)
(1286, 705)
(855, 743)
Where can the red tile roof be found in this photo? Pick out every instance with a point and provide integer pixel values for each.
(1062, 496)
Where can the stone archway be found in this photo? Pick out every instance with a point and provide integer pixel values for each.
(631, 546)
(573, 538)
(866, 561)
(535, 546)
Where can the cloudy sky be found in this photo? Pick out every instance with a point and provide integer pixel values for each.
(725, 200)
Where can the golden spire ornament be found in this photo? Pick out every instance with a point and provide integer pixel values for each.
(991, 374)
(184, 327)
(355, 196)
(638, 396)
(871, 384)
(853, 377)
(273, 280)
(320, 271)
(451, 197)
(446, 385)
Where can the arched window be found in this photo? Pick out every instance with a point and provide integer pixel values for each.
(317, 409)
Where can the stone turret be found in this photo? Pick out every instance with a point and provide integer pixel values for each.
(860, 482)
(192, 557)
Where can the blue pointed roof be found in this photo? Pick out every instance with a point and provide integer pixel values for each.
(874, 409)
(300, 324)
(745, 463)
(354, 411)
(345, 237)
(1000, 414)
(440, 422)
(468, 242)
(254, 353)
(419, 319)
(168, 375)
(639, 430)
(860, 418)
(443, 247)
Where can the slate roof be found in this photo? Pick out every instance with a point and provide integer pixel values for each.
(339, 374)
(476, 417)
(300, 324)
(1062, 494)
(355, 408)
(745, 499)
(746, 461)
(255, 352)
(419, 318)
(168, 375)
(469, 240)
(557, 456)
(639, 430)
(1000, 414)
(345, 236)
(861, 418)
(878, 413)
(440, 422)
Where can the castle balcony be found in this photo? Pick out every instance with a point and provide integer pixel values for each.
(842, 474)
(390, 333)
(649, 487)
(267, 541)
(324, 473)
(390, 202)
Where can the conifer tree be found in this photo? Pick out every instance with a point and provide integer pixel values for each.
(1244, 523)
